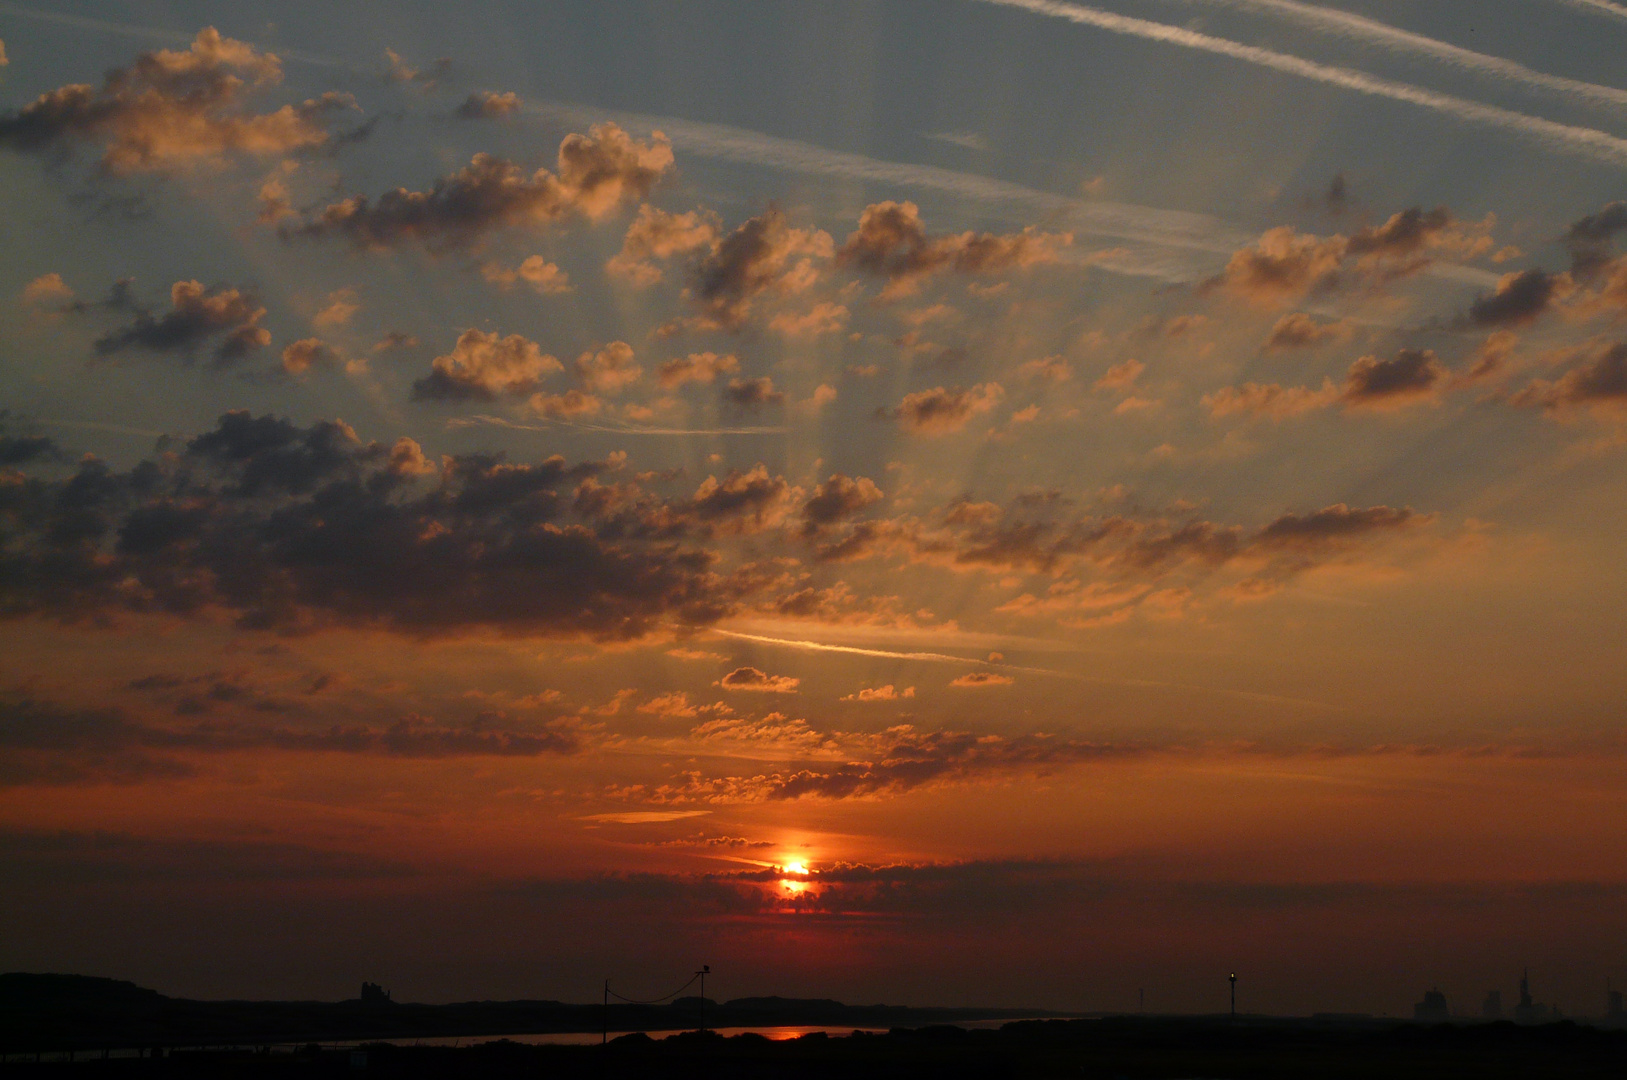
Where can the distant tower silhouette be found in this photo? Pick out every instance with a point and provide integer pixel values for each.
(1612, 1004)
(1528, 1011)
(1234, 994)
(1493, 1007)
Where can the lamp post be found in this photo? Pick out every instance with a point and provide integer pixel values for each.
(703, 972)
(1234, 995)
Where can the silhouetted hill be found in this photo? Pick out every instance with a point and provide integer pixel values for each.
(20, 989)
(58, 1011)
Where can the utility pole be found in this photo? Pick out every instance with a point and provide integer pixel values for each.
(705, 968)
(1234, 995)
(605, 1015)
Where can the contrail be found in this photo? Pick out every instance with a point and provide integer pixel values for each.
(1566, 137)
(1198, 236)
(483, 420)
(154, 33)
(946, 658)
(930, 657)
(1359, 28)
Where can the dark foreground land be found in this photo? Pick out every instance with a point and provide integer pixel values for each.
(1109, 1047)
(107, 1024)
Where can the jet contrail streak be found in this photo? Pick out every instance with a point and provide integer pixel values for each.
(946, 658)
(1359, 28)
(1566, 137)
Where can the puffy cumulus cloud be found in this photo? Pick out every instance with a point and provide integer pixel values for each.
(482, 366)
(488, 105)
(48, 289)
(1121, 376)
(337, 310)
(823, 318)
(835, 500)
(702, 367)
(757, 681)
(301, 356)
(1285, 264)
(752, 393)
(543, 276)
(1520, 298)
(198, 315)
(657, 234)
(398, 70)
(1281, 265)
(880, 693)
(597, 173)
(173, 108)
(1411, 375)
(295, 528)
(1051, 369)
(1300, 331)
(1598, 384)
(976, 679)
(892, 242)
(571, 403)
(766, 254)
(742, 501)
(610, 370)
(939, 411)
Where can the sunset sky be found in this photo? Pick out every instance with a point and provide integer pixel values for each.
(1114, 494)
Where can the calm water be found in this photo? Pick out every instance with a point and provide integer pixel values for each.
(552, 1038)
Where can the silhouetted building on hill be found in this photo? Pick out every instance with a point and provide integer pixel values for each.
(374, 994)
(1528, 1011)
(1432, 1009)
(1492, 1007)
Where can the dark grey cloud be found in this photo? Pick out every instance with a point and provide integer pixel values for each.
(115, 857)
(1519, 298)
(41, 743)
(1591, 239)
(198, 315)
(1407, 376)
(752, 393)
(764, 254)
(1405, 233)
(295, 527)
(838, 498)
(1599, 382)
(941, 410)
